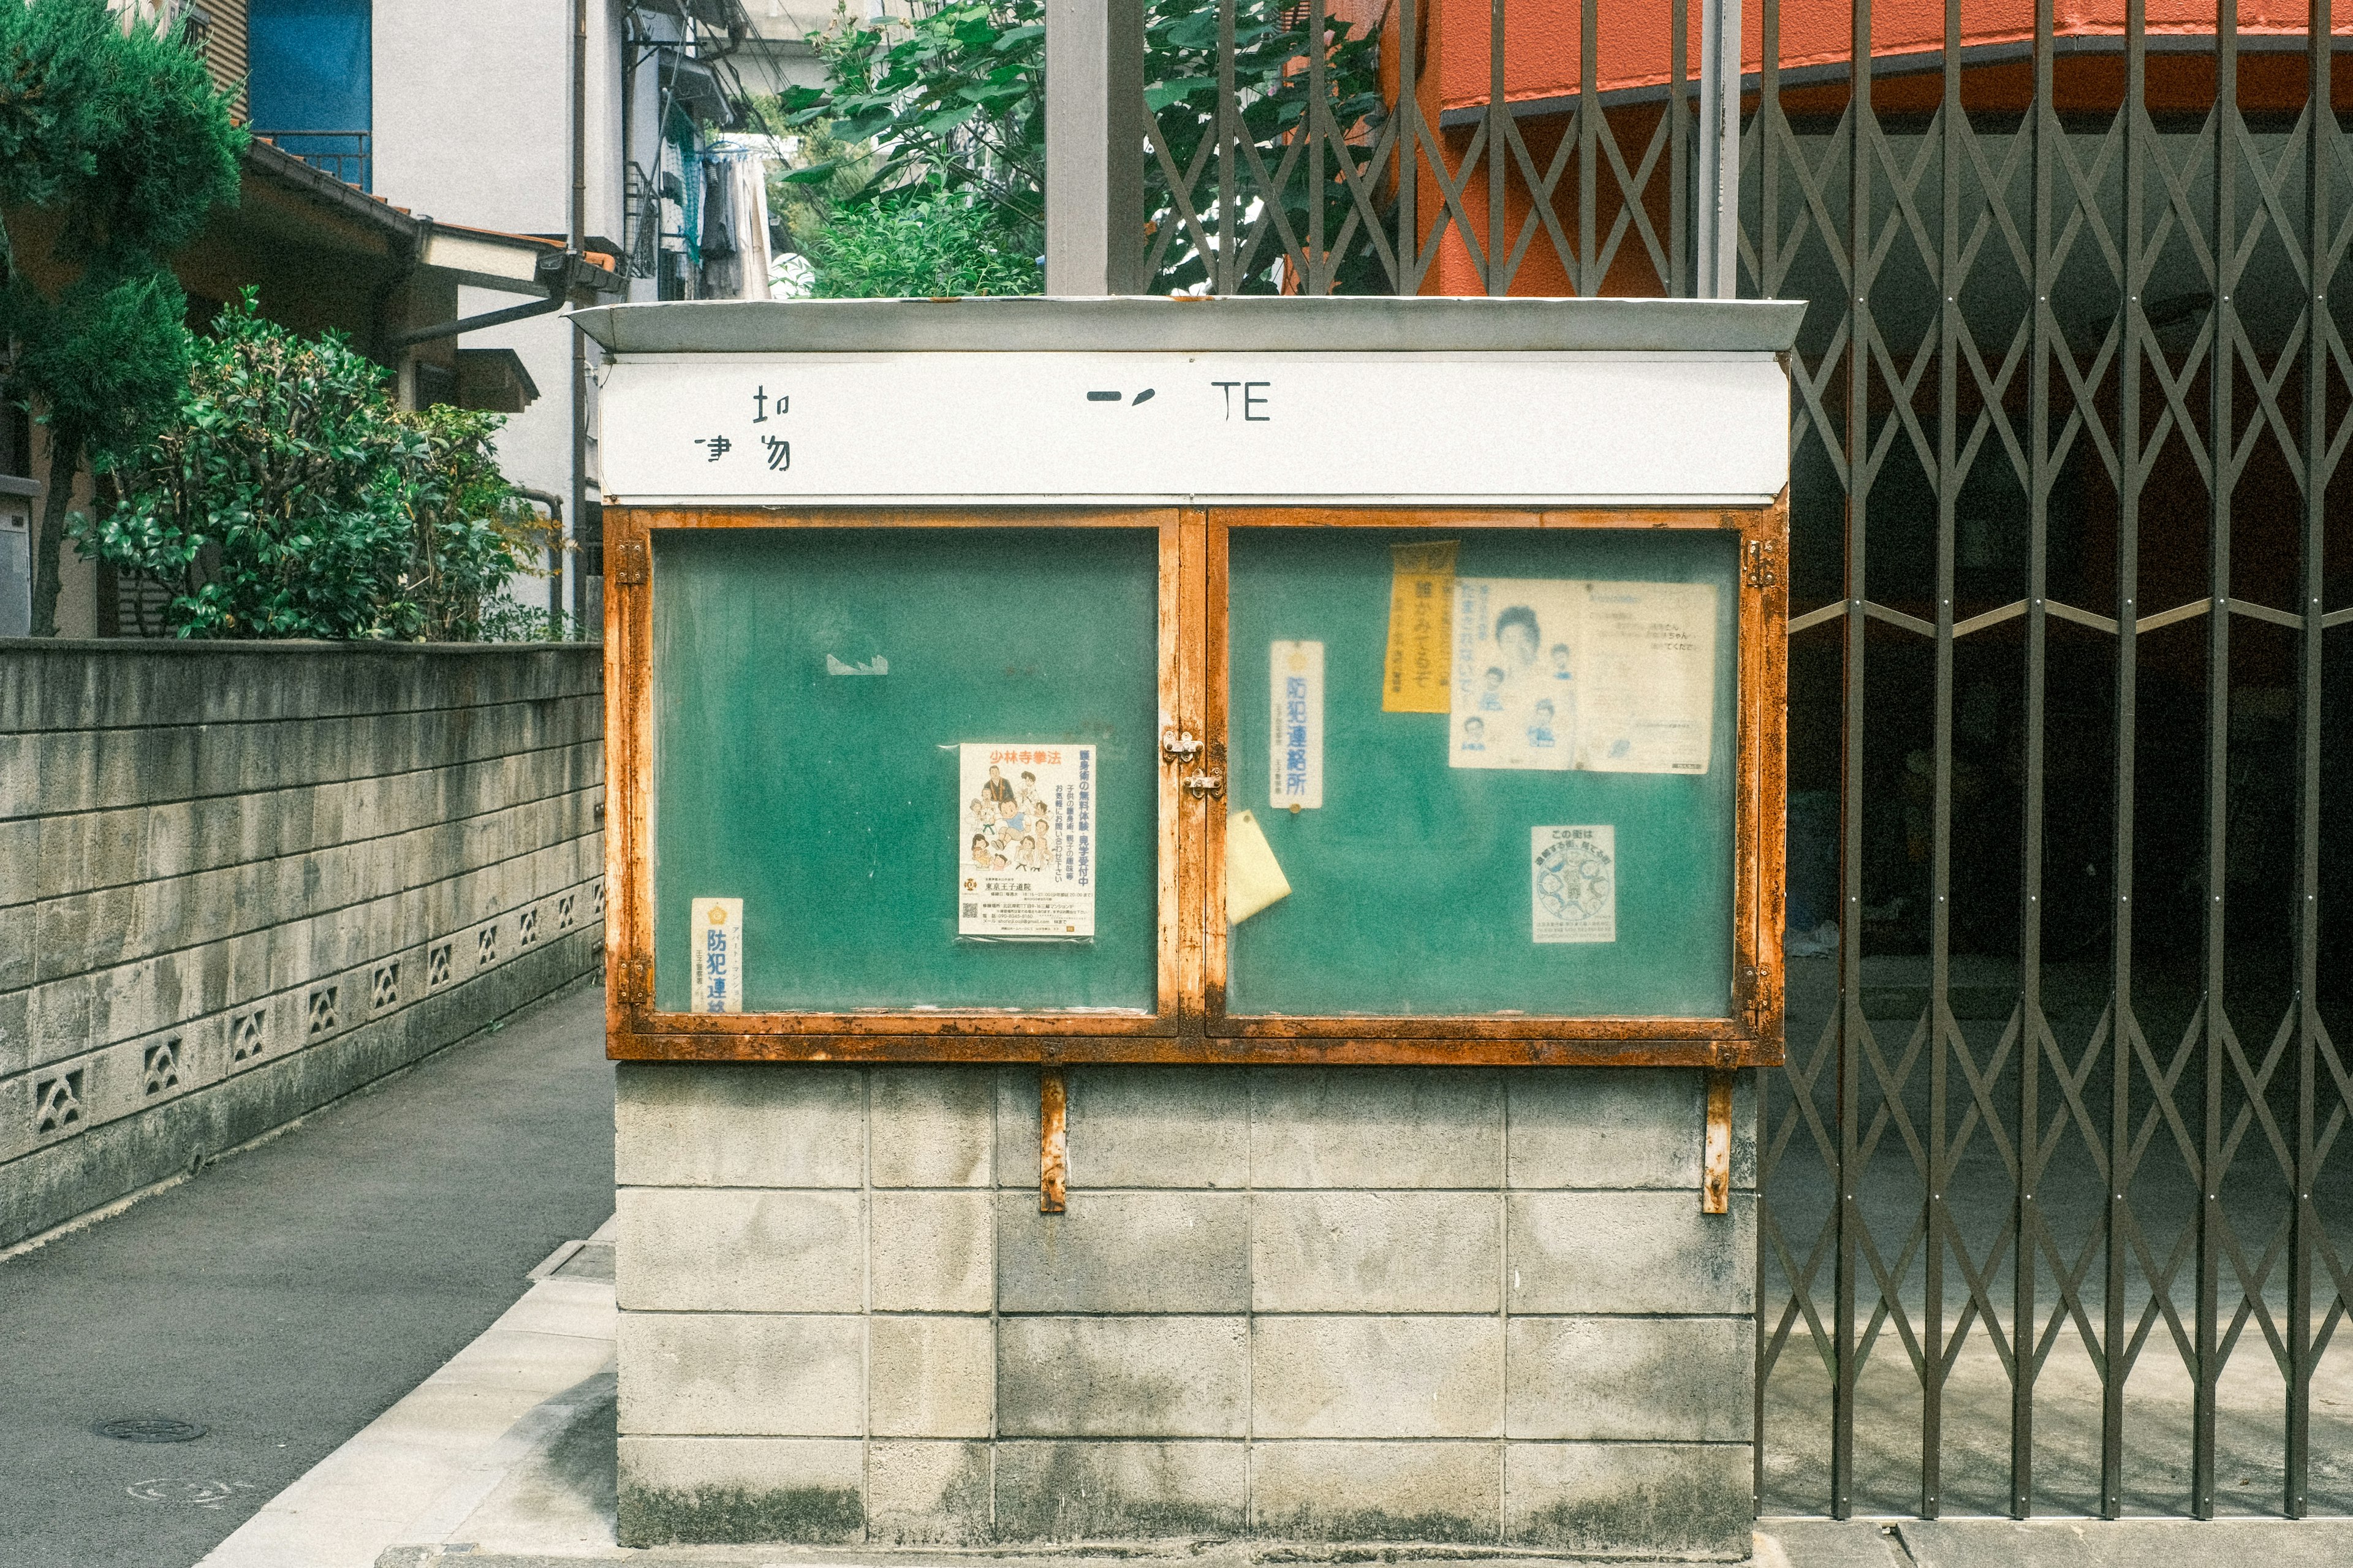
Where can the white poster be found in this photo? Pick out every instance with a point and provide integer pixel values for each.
(1649, 675)
(1572, 875)
(1026, 845)
(718, 967)
(1553, 674)
(1295, 768)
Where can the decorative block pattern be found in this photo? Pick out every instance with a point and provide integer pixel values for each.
(253, 890)
(159, 1067)
(57, 1101)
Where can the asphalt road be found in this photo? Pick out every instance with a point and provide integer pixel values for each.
(285, 1297)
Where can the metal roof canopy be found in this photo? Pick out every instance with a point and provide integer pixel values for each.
(1179, 324)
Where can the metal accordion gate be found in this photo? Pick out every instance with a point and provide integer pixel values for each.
(2057, 1194)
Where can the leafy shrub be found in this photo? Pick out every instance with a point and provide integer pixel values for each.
(925, 242)
(289, 497)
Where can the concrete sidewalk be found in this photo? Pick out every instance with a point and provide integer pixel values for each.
(287, 1294)
(503, 1459)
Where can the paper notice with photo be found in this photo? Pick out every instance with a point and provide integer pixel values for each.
(1515, 687)
(1573, 878)
(1646, 703)
(1024, 862)
(1552, 674)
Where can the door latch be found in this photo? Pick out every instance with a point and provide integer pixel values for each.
(1179, 745)
(1203, 785)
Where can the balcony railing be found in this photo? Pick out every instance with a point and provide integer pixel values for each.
(343, 153)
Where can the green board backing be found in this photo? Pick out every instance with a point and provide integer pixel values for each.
(829, 803)
(1410, 886)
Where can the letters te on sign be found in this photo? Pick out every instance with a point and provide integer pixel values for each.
(1295, 762)
(718, 938)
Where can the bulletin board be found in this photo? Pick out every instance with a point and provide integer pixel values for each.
(835, 735)
(1417, 884)
(814, 690)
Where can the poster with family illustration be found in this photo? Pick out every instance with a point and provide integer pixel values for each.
(1025, 859)
(1559, 674)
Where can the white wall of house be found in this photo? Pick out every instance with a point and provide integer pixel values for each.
(474, 108)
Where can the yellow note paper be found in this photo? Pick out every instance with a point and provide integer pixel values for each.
(1421, 629)
(1252, 878)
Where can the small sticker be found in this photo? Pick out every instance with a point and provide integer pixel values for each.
(1414, 676)
(718, 956)
(1295, 768)
(1573, 876)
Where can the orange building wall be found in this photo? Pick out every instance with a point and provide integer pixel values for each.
(1633, 39)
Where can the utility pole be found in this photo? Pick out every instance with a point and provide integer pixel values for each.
(568, 557)
(1717, 234)
(1095, 146)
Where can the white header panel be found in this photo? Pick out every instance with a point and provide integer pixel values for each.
(1100, 428)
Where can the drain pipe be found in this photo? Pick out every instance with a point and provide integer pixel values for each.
(579, 240)
(552, 270)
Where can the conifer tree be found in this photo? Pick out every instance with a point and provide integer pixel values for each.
(114, 147)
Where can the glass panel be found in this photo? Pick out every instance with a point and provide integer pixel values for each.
(1553, 835)
(815, 693)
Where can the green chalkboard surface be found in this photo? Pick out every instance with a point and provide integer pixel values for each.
(1411, 884)
(789, 774)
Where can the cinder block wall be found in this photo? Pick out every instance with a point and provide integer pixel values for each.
(240, 880)
(1462, 1306)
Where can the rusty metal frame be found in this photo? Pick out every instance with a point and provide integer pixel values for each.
(1188, 1024)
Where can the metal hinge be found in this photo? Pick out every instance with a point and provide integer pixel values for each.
(633, 982)
(1764, 566)
(1756, 1005)
(629, 564)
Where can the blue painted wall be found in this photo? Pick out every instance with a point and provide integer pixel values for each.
(311, 64)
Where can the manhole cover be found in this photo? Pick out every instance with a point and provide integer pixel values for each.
(151, 1429)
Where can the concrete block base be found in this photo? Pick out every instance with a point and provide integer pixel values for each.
(1394, 1306)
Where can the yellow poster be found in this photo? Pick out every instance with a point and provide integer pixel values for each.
(1421, 629)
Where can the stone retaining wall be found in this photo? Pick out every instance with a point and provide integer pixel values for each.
(237, 881)
(1463, 1306)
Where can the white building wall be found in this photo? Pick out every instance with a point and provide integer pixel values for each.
(474, 108)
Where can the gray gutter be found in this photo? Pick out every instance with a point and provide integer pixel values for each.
(1237, 322)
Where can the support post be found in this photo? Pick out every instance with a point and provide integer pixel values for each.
(1715, 1163)
(1715, 246)
(1095, 146)
(1053, 1142)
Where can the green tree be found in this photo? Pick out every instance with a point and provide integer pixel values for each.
(289, 497)
(114, 146)
(955, 99)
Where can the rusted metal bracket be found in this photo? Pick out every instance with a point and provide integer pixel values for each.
(1053, 1142)
(629, 563)
(633, 982)
(1715, 1155)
